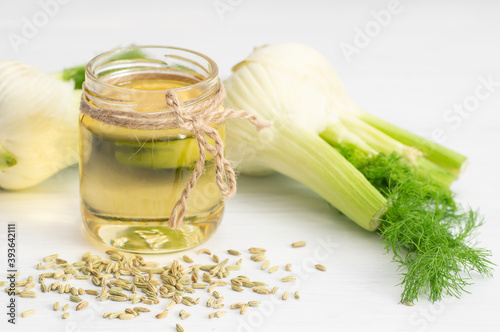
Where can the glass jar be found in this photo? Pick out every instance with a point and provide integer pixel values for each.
(130, 179)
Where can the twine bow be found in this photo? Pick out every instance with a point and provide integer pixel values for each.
(196, 119)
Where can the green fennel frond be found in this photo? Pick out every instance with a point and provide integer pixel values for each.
(428, 233)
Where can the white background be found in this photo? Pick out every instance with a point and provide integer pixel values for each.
(430, 56)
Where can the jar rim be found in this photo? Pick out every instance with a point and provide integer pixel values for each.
(212, 70)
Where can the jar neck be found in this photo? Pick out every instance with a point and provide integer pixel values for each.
(110, 76)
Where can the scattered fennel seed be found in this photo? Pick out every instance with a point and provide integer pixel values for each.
(320, 267)
(28, 313)
(298, 244)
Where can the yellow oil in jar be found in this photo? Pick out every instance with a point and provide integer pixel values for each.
(130, 179)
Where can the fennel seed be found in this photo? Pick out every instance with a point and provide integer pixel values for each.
(56, 306)
(297, 296)
(118, 298)
(125, 316)
(29, 286)
(236, 288)
(265, 265)
(236, 282)
(65, 315)
(50, 258)
(233, 267)
(320, 267)
(28, 294)
(285, 296)
(82, 277)
(253, 303)
(204, 251)
(179, 328)
(244, 309)
(28, 313)
(258, 257)
(49, 265)
(234, 252)
(273, 269)
(261, 290)
(170, 305)
(48, 275)
(407, 303)
(211, 288)
(67, 288)
(82, 305)
(75, 298)
(20, 283)
(65, 307)
(162, 314)
(210, 301)
(115, 315)
(186, 302)
(298, 244)
(131, 312)
(187, 259)
(199, 286)
(218, 282)
(257, 250)
(91, 292)
(220, 313)
(184, 315)
(288, 279)
(288, 267)
(248, 284)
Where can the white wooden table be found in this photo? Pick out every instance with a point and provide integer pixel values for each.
(425, 58)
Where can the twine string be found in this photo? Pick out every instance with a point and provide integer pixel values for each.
(197, 119)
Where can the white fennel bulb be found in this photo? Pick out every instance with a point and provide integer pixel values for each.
(281, 83)
(38, 125)
(314, 122)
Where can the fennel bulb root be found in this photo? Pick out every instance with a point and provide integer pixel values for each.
(383, 175)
